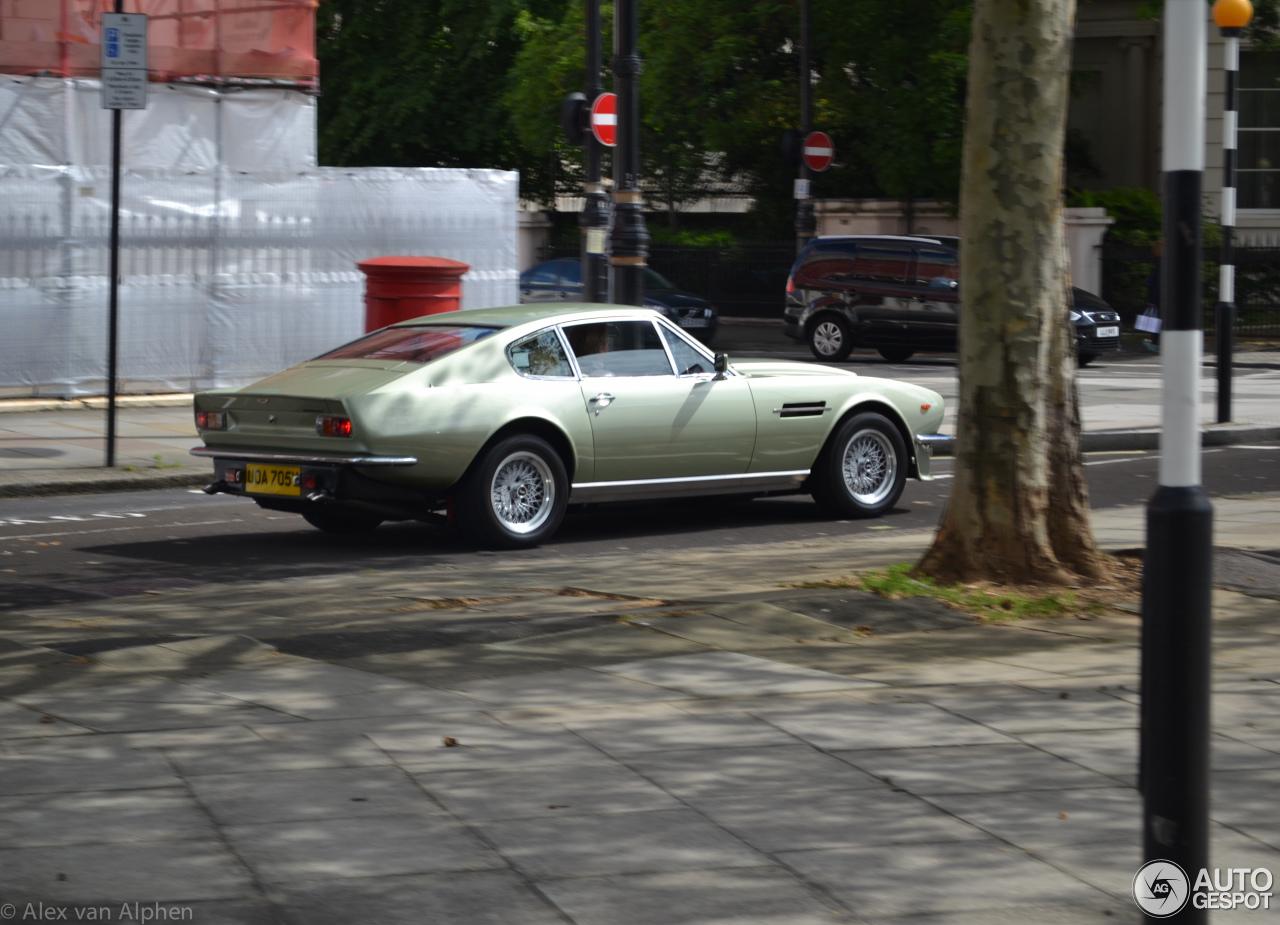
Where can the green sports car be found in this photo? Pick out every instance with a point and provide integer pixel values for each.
(501, 417)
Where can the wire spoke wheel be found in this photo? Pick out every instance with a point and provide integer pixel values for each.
(522, 492)
(869, 466)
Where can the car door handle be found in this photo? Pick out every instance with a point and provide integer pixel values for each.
(602, 400)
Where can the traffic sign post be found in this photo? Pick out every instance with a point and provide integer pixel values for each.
(604, 119)
(819, 151)
(124, 61)
(124, 86)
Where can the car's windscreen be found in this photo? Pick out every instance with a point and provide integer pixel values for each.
(409, 345)
(654, 281)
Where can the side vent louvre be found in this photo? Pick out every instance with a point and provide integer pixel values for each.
(802, 409)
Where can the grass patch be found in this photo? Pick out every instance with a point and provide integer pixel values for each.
(157, 462)
(988, 602)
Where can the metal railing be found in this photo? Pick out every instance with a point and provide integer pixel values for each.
(740, 280)
(1126, 269)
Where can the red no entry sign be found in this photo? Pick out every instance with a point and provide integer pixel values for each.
(819, 151)
(604, 119)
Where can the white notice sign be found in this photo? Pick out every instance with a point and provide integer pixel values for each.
(124, 61)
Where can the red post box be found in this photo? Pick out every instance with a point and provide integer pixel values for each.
(400, 288)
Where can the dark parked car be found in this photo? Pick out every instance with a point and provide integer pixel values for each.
(561, 281)
(901, 296)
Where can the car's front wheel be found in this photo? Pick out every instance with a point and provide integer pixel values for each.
(1084, 358)
(830, 338)
(515, 496)
(333, 519)
(863, 469)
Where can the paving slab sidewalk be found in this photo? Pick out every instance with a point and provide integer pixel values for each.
(642, 771)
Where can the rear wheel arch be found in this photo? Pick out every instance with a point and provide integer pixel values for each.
(538, 427)
(825, 309)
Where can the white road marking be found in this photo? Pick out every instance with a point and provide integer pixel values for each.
(36, 536)
(61, 518)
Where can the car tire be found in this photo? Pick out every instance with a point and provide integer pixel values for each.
(515, 495)
(863, 468)
(830, 338)
(1084, 359)
(896, 354)
(333, 519)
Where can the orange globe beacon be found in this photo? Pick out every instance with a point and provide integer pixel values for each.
(1232, 14)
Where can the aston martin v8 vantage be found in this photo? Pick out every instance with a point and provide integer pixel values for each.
(499, 418)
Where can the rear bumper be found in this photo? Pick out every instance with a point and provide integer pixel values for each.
(319, 478)
(302, 459)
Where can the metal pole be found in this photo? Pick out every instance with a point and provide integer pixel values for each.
(113, 313)
(1177, 580)
(628, 239)
(806, 224)
(1225, 314)
(595, 210)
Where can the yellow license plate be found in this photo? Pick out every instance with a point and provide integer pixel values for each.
(273, 480)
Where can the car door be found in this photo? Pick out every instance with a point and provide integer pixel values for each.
(650, 420)
(935, 317)
(539, 283)
(882, 274)
(570, 288)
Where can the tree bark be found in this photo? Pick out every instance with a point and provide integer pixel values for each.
(1019, 508)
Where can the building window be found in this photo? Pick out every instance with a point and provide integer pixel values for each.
(1258, 179)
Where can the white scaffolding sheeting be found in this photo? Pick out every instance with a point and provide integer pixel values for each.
(53, 122)
(226, 275)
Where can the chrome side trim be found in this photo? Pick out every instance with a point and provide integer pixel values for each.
(306, 459)
(637, 489)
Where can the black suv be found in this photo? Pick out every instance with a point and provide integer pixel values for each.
(901, 295)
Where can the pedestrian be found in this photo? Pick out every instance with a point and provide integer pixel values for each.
(1152, 310)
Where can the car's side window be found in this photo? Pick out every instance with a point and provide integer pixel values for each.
(831, 263)
(884, 263)
(618, 348)
(542, 356)
(542, 275)
(689, 362)
(937, 269)
(570, 273)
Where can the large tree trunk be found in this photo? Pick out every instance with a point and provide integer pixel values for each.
(1019, 508)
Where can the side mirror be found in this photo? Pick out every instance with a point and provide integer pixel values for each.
(722, 365)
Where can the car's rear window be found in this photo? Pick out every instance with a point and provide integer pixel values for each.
(409, 345)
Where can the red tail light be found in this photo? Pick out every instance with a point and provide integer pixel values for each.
(790, 284)
(211, 420)
(327, 426)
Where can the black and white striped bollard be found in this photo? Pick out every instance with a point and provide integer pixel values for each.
(1177, 581)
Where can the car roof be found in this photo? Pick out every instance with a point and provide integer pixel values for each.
(919, 239)
(506, 316)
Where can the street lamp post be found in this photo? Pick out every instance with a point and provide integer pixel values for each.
(628, 239)
(1177, 579)
(595, 209)
(806, 224)
(1231, 17)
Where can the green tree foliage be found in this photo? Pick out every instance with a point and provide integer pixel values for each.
(892, 86)
(420, 83)
(720, 87)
